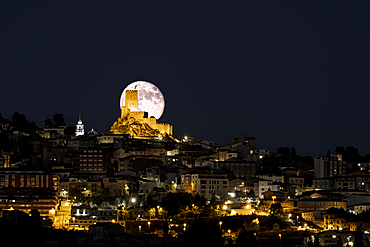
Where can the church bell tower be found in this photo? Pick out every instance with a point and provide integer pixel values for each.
(80, 130)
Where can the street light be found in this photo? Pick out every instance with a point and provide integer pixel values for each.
(149, 225)
(220, 224)
(280, 238)
(273, 199)
(297, 221)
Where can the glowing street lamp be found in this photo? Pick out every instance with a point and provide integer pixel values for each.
(220, 224)
(297, 221)
(280, 238)
(273, 199)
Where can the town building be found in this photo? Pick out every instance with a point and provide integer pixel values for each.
(44, 200)
(100, 233)
(30, 180)
(92, 160)
(205, 184)
(266, 185)
(329, 166)
(238, 167)
(5, 159)
(320, 204)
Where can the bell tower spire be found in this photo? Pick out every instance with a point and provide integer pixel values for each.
(80, 130)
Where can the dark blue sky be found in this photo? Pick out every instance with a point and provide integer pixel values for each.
(292, 73)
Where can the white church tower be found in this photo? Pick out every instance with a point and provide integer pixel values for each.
(80, 131)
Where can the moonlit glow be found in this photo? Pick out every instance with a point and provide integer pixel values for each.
(150, 98)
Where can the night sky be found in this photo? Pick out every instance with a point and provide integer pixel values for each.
(290, 73)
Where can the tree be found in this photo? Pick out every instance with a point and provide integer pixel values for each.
(316, 242)
(35, 217)
(204, 233)
(252, 225)
(276, 209)
(133, 186)
(352, 154)
(124, 214)
(48, 123)
(4, 124)
(339, 242)
(199, 200)
(5, 143)
(185, 211)
(75, 193)
(195, 210)
(247, 238)
(59, 120)
(174, 202)
(270, 164)
(19, 122)
(293, 152)
(151, 213)
(340, 150)
(283, 151)
(358, 241)
(33, 127)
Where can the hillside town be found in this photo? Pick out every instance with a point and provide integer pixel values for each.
(116, 190)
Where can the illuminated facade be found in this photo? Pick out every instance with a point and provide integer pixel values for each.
(136, 123)
(329, 166)
(43, 199)
(80, 130)
(5, 159)
(205, 184)
(320, 204)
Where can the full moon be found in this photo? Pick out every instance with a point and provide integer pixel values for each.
(150, 98)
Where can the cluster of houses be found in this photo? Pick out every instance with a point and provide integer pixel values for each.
(60, 166)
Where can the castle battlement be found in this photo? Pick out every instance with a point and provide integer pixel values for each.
(131, 118)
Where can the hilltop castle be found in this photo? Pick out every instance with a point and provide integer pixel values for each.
(136, 123)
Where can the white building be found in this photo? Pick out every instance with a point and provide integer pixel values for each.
(80, 129)
(265, 185)
(205, 184)
(329, 166)
(360, 208)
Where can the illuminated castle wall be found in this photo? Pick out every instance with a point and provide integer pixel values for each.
(136, 123)
(132, 100)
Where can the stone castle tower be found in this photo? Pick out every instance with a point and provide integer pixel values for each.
(132, 100)
(136, 123)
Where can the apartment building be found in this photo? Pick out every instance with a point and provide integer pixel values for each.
(266, 185)
(82, 217)
(26, 199)
(30, 180)
(116, 185)
(329, 166)
(205, 184)
(320, 204)
(239, 167)
(92, 160)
